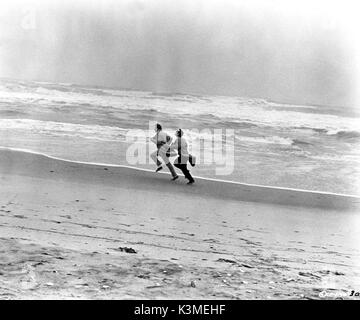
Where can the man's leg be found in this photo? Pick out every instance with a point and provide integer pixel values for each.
(168, 164)
(154, 156)
(184, 169)
(186, 172)
(172, 170)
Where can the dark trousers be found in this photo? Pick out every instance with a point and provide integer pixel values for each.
(182, 165)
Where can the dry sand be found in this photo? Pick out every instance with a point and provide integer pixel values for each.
(81, 231)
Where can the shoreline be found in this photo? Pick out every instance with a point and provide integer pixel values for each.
(293, 196)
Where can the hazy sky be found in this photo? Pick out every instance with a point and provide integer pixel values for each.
(285, 50)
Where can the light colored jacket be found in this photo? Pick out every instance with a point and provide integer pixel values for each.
(183, 146)
(162, 141)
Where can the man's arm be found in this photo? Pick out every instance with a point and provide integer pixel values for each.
(174, 145)
(154, 139)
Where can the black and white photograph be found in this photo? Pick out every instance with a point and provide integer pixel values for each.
(179, 150)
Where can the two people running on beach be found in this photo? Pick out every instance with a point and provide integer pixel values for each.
(167, 149)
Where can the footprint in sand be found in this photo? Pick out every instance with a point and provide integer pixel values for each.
(19, 216)
(211, 240)
(125, 249)
(226, 260)
(87, 226)
(309, 274)
(180, 219)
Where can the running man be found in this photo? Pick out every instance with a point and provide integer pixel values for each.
(162, 141)
(181, 146)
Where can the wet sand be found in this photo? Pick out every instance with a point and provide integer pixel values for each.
(81, 231)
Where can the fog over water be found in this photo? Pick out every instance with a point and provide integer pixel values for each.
(302, 52)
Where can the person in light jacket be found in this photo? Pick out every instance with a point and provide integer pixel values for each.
(162, 141)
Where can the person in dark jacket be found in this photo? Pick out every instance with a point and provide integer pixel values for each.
(181, 146)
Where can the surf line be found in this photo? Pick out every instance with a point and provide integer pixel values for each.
(198, 177)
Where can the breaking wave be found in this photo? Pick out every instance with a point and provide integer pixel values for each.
(344, 134)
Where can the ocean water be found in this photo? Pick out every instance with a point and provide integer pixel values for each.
(297, 146)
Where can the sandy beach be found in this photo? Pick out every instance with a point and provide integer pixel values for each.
(82, 231)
